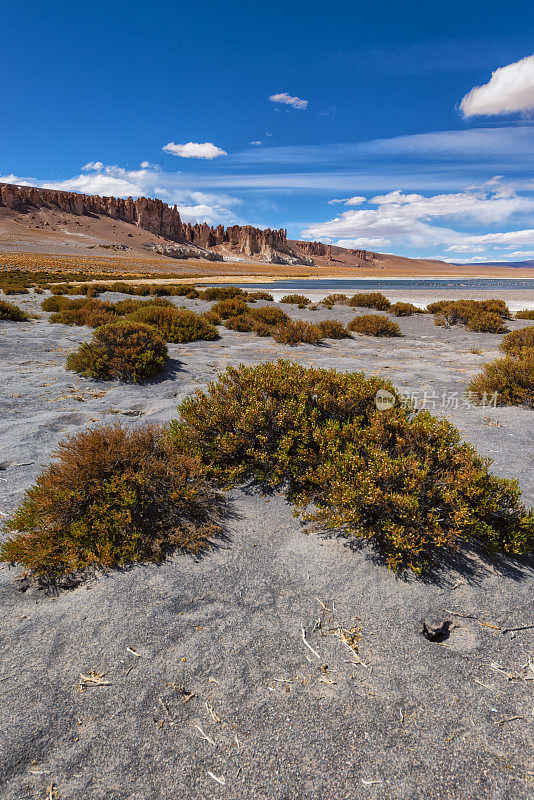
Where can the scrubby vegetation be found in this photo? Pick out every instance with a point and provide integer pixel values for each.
(296, 299)
(251, 296)
(370, 300)
(175, 324)
(113, 497)
(332, 329)
(402, 481)
(230, 308)
(126, 351)
(526, 313)
(477, 315)
(11, 313)
(82, 312)
(374, 325)
(405, 309)
(335, 299)
(297, 332)
(517, 343)
(221, 293)
(510, 380)
(14, 290)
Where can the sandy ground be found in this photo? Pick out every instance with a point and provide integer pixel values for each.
(207, 668)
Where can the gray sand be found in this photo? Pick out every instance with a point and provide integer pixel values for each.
(416, 719)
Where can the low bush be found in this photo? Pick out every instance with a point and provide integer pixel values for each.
(336, 299)
(84, 312)
(112, 497)
(332, 329)
(374, 325)
(370, 300)
(272, 315)
(486, 322)
(509, 380)
(124, 351)
(230, 308)
(129, 306)
(15, 290)
(9, 312)
(477, 315)
(221, 293)
(241, 322)
(175, 324)
(296, 299)
(211, 317)
(401, 481)
(517, 343)
(297, 332)
(259, 296)
(404, 309)
(526, 313)
(57, 303)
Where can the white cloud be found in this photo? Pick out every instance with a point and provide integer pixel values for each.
(194, 150)
(506, 238)
(288, 100)
(102, 184)
(348, 201)
(413, 220)
(257, 143)
(148, 165)
(509, 90)
(15, 180)
(93, 166)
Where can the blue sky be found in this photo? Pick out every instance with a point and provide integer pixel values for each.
(357, 123)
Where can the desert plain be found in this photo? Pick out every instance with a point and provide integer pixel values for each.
(283, 665)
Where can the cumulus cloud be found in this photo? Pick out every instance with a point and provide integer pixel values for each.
(400, 219)
(510, 89)
(15, 180)
(93, 166)
(257, 142)
(348, 201)
(195, 150)
(287, 100)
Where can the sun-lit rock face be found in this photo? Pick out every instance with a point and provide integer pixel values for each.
(158, 218)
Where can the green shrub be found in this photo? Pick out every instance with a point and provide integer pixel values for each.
(124, 307)
(516, 343)
(374, 325)
(512, 379)
(175, 324)
(112, 498)
(404, 309)
(402, 481)
(261, 329)
(370, 300)
(184, 290)
(14, 290)
(527, 313)
(296, 299)
(477, 315)
(84, 312)
(123, 350)
(272, 315)
(241, 322)
(332, 329)
(230, 308)
(142, 290)
(211, 317)
(486, 322)
(11, 313)
(58, 303)
(297, 332)
(259, 296)
(336, 299)
(221, 293)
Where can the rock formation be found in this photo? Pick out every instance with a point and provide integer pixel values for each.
(157, 218)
